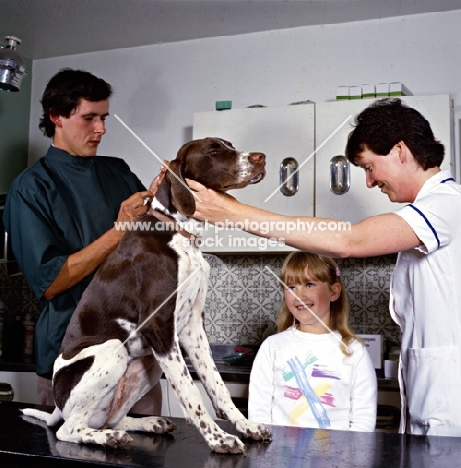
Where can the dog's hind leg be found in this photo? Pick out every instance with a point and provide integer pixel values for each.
(89, 403)
(155, 424)
(139, 377)
(76, 430)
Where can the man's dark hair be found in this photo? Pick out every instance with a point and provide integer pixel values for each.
(388, 121)
(64, 92)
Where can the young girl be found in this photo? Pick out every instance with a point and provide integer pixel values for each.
(314, 372)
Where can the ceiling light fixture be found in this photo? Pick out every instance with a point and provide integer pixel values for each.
(12, 69)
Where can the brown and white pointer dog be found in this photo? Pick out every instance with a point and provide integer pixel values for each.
(145, 301)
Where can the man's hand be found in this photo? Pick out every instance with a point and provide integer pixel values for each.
(134, 207)
(139, 202)
(81, 264)
(157, 180)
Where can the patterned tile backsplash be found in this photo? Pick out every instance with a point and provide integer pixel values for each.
(244, 296)
(17, 296)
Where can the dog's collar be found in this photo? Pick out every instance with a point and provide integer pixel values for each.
(171, 223)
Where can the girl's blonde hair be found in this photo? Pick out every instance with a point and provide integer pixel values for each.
(296, 268)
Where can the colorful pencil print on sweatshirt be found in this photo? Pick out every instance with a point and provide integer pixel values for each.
(315, 398)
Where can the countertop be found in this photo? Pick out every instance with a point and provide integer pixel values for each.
(26, 442)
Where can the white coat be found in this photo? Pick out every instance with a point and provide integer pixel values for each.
(426, 303)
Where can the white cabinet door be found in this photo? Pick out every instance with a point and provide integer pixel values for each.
(24, 385)
(359, 201)
(280, 133)
(171, 406)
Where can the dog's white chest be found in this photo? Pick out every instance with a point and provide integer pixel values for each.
(193, 273)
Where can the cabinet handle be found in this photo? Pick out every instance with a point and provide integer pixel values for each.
(340, 175)
(289, 177)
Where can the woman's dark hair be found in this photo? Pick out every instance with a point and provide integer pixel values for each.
(389, 121)
(64, 92)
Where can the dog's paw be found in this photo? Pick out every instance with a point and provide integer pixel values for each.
(228, 444)
(162, 426)
(118, 439)
(155, 424)
(254, 431)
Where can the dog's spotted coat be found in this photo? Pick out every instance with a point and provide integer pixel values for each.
(107, 356)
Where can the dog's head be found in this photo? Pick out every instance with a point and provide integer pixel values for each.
(214, 163)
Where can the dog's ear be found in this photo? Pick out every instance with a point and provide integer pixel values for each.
(181, 195)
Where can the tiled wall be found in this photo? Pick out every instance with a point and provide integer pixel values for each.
(244, 296)
(19, 300)
(17, 296)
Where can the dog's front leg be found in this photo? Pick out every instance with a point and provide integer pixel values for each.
(194, 341)
(192, 404)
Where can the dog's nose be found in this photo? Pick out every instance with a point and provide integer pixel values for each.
(257, 157)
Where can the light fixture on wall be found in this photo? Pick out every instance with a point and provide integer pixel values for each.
(12, 69)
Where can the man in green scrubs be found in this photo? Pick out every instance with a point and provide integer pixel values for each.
(60, 212)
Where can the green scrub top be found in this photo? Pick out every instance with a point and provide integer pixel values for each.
(53, 209)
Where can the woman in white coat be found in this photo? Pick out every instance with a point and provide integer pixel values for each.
(395, 146)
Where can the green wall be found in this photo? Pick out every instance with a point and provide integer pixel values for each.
(14, 130)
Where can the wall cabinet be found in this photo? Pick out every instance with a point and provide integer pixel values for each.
(311, 136)
(286, 136)
(359, 201)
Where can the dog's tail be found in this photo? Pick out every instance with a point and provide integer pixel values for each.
(51, 419)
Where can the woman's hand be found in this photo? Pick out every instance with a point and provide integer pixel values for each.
(211, 205)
